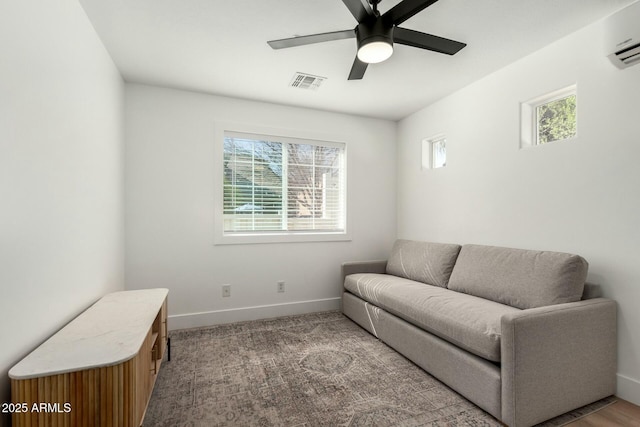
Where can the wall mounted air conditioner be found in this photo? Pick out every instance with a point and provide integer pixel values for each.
(623, 36)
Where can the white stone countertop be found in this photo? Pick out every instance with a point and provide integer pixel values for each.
(109, 332)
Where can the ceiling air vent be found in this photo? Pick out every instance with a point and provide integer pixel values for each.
(306, 81)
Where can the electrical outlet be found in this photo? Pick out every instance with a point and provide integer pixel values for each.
(281, 286)
(226, 291)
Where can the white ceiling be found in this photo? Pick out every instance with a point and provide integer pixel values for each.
(219, 47)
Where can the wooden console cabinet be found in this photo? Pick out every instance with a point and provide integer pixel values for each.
(99, 370)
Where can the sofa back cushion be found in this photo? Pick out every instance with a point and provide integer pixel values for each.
(425, 262)
(519, 278)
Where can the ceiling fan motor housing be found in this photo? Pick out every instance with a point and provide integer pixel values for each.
(374, 30)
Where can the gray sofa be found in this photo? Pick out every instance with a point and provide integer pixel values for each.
(515, 331)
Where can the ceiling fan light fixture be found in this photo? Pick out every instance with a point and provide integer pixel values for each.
(375, 51)
(375, 41)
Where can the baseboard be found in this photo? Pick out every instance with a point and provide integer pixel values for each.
(208, 318)
(628, 389)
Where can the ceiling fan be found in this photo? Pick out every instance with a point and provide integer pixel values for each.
(376, 33)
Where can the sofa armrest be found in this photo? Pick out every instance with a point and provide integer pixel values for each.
(363, 267)
(557, 358)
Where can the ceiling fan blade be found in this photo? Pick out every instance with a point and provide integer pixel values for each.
(426, 41)
(405, 10)
(357, 69)
(360, 9)
(313, 38)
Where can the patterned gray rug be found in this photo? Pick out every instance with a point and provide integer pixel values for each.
(311, 370)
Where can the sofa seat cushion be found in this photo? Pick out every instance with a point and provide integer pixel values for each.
(517, 277)
(467, 321)
(425, 262)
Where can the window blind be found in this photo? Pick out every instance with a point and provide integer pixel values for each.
(282, 185)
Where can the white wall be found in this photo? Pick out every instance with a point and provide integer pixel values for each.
(61, 217)
(169, 220)
(577, 196)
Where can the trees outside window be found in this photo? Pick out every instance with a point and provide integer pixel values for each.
(549, 118)
(556, 120)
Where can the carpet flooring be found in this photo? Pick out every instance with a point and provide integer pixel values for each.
(310, 370)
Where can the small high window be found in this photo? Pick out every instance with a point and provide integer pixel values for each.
(434, 152)
(548, 118)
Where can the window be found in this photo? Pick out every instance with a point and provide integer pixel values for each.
(282, 186)
(549, 118)
(434, 152)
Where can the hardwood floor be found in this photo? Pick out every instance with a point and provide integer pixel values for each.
(620, 413)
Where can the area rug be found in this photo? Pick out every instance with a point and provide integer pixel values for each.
(310, 370)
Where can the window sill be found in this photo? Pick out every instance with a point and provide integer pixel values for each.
(260, 238)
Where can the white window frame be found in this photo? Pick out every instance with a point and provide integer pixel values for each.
(529, 119)
(428, 151)
(278, 135)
